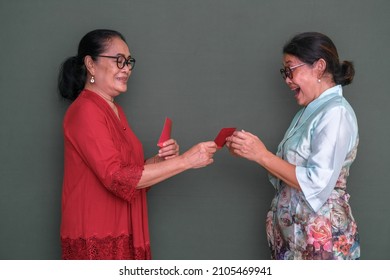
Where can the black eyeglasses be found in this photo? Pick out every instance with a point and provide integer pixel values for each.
(121, 61)
(288, 71)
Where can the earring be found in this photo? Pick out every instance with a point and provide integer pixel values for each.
(92, 80)
(319, 80)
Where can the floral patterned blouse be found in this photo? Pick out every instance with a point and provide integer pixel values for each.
(317, 222)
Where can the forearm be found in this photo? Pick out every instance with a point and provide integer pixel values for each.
(280, 168)
(158, 171)
(154, 159)
(249, 146)
(198, 156)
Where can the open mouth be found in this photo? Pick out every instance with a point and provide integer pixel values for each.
(296, 90)
(122, 79)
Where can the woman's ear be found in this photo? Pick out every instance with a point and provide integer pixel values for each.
(89, 64)
(320, 67)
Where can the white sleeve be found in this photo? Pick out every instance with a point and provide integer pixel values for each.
(333, 137)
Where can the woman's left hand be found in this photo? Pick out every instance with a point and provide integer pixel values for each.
(170, 149)
(246, 145)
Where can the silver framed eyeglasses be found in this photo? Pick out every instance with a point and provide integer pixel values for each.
(121, 60)
(288, 71)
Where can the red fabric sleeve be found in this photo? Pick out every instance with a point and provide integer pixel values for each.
(94, 135)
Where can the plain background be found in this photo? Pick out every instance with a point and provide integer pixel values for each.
(206, 64)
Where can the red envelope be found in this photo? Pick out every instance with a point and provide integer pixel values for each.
(220, 140)
(165, 133)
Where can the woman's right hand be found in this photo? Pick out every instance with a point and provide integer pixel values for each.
(200, 155)
(247, 145)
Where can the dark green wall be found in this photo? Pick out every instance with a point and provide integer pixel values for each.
(205, 64)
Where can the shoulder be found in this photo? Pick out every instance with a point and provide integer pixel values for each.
(336, 115)
(83, 110)
(338, 106)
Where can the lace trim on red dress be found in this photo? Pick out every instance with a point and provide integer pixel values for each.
(125, 181)
(108, 248)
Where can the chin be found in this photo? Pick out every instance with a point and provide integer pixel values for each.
(121, 90)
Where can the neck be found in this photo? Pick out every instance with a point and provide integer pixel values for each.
(326, 82)
(106, 97)
(326, 86)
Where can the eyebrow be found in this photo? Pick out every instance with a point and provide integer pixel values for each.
(121, 54)
(124, 54)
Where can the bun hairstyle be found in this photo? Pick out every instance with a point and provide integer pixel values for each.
(311, 46)
(73, 74)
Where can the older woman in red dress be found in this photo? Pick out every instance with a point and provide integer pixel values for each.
(104, 210)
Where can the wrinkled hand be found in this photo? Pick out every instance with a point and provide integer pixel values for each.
(201, 154)
(169, 150)
(246, 145)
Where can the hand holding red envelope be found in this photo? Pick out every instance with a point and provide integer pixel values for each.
(165, 133)
(220, 140)
(225, 132)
